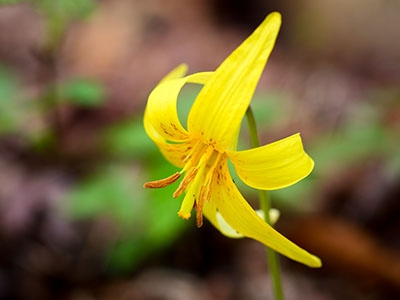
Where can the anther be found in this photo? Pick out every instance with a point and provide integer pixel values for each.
(199, 208)
(162, 182)
(185, 181)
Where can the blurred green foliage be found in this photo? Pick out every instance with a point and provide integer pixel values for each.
(128, 140)
(59, 14)
(82, 92)
(10, 109)
(65, 9)
(146, 220)
(270, 109)
(79, 92)
(108, 191)
(186, 98)
(7, 2)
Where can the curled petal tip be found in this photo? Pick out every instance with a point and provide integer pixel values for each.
(275, 14)
(317, 263)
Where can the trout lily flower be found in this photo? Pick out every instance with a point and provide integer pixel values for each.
(202, 151)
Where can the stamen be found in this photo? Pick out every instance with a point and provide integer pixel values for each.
(211, 173)
(185, 181)
(206, 156)
(200, 157)
(162, 182)
(194, 149)
(193, 157)
(208, 192)
(205, 192)
(199, 208)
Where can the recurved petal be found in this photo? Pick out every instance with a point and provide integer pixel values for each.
(239, 215)
(273, 166)
(176, 73)
(161, 111)
(220, 106)
(175, 153)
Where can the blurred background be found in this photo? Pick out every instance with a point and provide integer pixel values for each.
(75, 221)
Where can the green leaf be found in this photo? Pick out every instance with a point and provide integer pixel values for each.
(82, 92)
(129, 139)
(10, 112)
(146, 220)
(110, 193)
(7, 2)
(68, 9)
(352, 144)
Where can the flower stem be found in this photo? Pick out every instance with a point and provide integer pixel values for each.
(265, 203)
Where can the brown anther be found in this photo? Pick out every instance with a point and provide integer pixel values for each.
(199, 220)
(162, 182)
(199, 208)
(208, 196)
(186, 180)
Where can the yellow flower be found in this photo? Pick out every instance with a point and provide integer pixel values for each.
(203, 150)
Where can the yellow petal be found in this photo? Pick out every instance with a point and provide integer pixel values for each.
(176, 153)
(219, 222)
(240, 216)
(176, 73)
(220, 106)
(273, 166)
(161, 113)
(173, 152)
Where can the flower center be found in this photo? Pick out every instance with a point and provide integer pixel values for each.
(202, 161)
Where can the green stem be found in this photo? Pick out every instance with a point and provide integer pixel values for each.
(265, 203)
